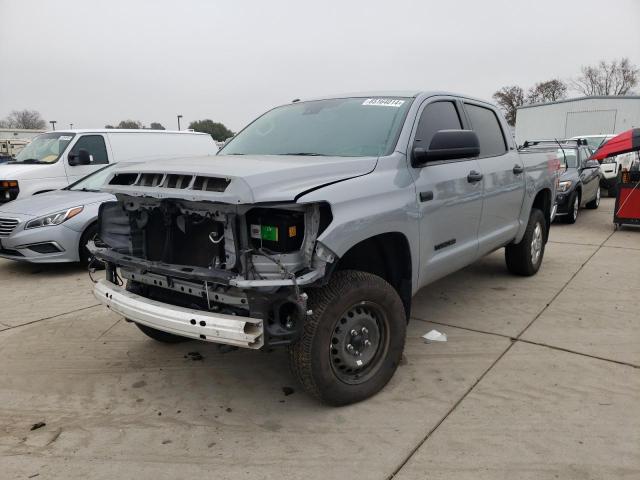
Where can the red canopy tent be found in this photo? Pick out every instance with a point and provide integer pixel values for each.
(628, 141)
(628, 198)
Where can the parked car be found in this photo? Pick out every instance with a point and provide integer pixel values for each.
(579, 181)
(611, 168)
(56, 159)
(54, 227)
(317, 224)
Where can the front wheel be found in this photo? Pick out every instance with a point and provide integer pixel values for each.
(574, 207)
(525, 258)
(352, 343)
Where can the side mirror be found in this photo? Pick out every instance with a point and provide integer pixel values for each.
(81, 158)
(448, 145)
(591, 164)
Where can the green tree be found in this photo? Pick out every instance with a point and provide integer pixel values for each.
(156, 126)
(217, 130)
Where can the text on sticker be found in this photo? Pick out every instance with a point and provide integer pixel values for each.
(383, 102)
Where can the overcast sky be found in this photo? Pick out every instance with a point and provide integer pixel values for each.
(95, 63)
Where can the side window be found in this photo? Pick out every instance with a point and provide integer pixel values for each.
(436, 116)
(485, 123)
(94, 144)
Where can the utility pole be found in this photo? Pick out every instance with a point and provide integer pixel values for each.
(53, 124)
(71, 126)
(179, 117)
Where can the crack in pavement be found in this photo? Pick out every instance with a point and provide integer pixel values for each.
(12, 327)
(514, 340)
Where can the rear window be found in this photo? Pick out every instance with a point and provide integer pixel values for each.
(486, 125)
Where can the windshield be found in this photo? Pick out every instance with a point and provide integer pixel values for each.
(344, 127)
(45, 148)
(597, 140)
(571, 155)
(94, 181)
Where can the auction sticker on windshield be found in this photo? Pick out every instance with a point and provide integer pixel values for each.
(383, 102)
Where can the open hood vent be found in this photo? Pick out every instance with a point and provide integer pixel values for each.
(172, 180)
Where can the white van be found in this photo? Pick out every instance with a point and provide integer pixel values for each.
(56, 159)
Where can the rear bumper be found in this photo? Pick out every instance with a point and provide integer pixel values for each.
(234, 330)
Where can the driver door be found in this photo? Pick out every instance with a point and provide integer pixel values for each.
(95, 144)
(449, 196)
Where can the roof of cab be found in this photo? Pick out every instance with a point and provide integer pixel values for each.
(124, 130)
(397, 93)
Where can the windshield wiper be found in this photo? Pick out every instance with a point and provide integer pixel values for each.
(28, 160)
(304, 154)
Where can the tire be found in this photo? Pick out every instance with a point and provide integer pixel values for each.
(160, 336)
(84, 255)
(595, 203)
(325, 358)
(572, 214)
(525, 258)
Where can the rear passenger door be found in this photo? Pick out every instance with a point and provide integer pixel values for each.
(97, 148)
(503, 178)
(449, 203)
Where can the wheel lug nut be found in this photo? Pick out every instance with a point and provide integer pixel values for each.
(364, 330)
(353, 333)
(367, 343)
(350, 347)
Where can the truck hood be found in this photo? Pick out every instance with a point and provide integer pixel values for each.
(252, 178)
(14, 171)
(50, 202)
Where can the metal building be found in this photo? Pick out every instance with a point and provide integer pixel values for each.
(577, 116)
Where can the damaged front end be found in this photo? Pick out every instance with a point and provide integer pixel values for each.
(218, 271)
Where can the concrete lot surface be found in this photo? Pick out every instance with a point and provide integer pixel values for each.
(539, 378)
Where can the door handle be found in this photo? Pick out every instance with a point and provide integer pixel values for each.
(426, 196)
(474, 176)
(518, 169)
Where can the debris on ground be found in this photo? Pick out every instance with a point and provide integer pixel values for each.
(195, 356)
(435, 336)
(287, 391)
(38, 425)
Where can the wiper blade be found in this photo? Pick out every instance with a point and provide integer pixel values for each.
(28, 160)
(304, 154)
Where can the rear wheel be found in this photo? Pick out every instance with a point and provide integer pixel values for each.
(352, 343)
(595, 203)
(525, 258)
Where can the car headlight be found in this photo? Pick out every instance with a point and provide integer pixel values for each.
(609, 160)
(54, 218)
(564, 186)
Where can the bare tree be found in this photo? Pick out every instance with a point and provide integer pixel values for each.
(29, 119)
(549, 91)
(615, 78)
(509, 99)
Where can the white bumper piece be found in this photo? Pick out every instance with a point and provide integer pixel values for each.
(234, 330)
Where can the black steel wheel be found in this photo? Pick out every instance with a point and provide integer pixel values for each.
(352, 343)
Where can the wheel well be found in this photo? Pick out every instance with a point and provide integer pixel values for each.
(387, 255)
(543, 202)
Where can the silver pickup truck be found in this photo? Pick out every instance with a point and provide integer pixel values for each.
(315, 226)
